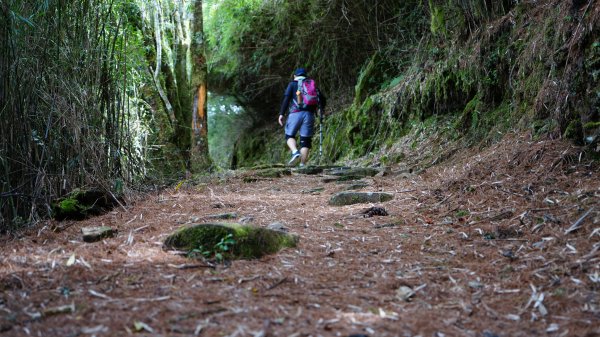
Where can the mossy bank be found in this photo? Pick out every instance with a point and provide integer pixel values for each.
(475, 74)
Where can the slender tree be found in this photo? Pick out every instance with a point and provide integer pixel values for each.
(180, 74)
(200, 155)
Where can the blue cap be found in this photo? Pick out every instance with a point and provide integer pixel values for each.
(300, 72)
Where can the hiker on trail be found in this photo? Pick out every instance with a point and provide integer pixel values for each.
(301, 100)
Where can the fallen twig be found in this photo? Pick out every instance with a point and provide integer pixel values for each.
(191, 266)
(577, 224)
(276, 284)
(158, 299)
(444, 200)
(97, 294)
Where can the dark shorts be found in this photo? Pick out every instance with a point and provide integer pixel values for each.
(303, 121)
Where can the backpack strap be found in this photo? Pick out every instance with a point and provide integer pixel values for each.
(299, 99)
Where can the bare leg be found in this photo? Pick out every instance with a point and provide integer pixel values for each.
(291, 143)
(304, 155)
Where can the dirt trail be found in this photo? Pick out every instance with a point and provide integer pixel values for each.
(480, 240)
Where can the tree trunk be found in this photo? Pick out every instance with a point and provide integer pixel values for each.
(200, 158)
(180, 76)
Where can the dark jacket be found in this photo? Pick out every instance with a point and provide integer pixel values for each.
(290, 96)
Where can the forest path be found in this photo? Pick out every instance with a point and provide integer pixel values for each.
(474, 247)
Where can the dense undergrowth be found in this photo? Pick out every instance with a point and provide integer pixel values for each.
(463, 72)
(94, 94)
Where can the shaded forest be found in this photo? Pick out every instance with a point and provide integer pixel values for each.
(100, 94)
(146, 187)
(464, 71)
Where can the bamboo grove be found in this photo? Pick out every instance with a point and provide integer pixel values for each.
(96, 93)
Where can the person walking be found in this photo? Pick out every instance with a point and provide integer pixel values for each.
(301, 100)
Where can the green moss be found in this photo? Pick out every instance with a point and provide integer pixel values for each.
(350, 198)
(268, 166)
(272, 173)
(470, 115)
(476, 76)
(438, 21)
(249, 242)
(80, 204)
(591, 125)
(574, 130)
(69, 206)
(398, 157)
(262, 147)
(543, 126)
(349, 178)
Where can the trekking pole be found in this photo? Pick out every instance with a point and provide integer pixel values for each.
(320, 136)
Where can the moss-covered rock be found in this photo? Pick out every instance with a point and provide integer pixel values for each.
(351, 198)
(257, 175)
(272, 173)
(80, 204)
(315, 169)
(249, 242)
(223, 216)
(309, 170)
(268, 166)
(342, 179)
(356, 186)
(354, 171)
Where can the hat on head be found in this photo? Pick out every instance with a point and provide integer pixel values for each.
(300, 72)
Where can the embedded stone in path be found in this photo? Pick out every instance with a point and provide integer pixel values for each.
(316, 190)
(353, 171)
(278, 226)
(351, 198)
(93, 234)
(341, 179)
(356, 186)
(309, 170)
(223, 216)
(248, 241)
(314, 169)
(253, 176)
(268, 166)
(272, 172)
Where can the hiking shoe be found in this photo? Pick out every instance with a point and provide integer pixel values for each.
(295, 158)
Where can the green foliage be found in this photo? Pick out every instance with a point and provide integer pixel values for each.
(438, 21)
(254, 45)
(69, 206)
(458, 18)
(82, 203)
(199, 252)
(223, 246)
(71, 111)
(591, 125)
(574, 130)
(218, 252)
(370, 78)
(260, 146)
(462, 213)
(474, 76)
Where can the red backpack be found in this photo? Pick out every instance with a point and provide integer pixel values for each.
(306, 95)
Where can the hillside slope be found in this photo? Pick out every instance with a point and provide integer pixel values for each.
(467, 81)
